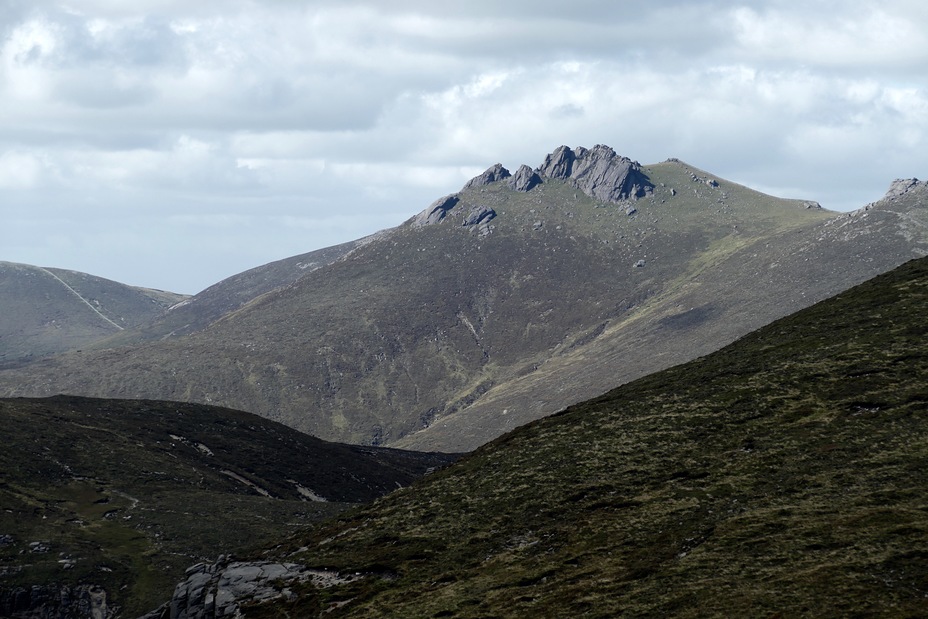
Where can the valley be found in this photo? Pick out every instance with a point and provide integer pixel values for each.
(783, 474)
(674, 395)
(497, 305)
(113, 500)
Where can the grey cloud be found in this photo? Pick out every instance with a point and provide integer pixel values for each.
(204, 127)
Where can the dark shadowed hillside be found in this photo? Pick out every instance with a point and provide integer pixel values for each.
(507, 301)
(112, 500)
(785, 475)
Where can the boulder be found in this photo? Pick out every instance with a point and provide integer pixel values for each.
(479, 215)
(218, 590)
(436, 211)
(492, 174)
(558, 164)
(524, 179)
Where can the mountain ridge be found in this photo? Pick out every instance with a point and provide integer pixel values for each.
(478, 313)
(682, 309)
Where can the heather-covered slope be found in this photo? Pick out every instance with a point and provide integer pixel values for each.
(45, 311)
(509, 300)
(115, 499)
(785, 475)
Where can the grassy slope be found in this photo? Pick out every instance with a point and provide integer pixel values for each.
(785, 475)
(737, 281)
(134, 492)
(48, 311)
(419, 324)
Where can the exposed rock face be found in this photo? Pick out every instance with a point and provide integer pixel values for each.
(524, 179)
(41, 601)
(903, 185)
(436, 211)
(217, 590)
(491, 175)
(477, 218)
(558, 164)
(479, 215)
(598, 172)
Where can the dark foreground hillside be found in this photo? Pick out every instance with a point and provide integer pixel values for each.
(786, 475)
(105, 503)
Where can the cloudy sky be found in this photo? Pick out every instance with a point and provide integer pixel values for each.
(172, 143)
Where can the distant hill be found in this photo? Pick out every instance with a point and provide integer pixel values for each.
(785, 475)
(229, 295)
(505, 302)
(44, 311)
(112, 500)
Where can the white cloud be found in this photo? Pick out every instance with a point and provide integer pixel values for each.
(23, 56)
(20, 170)
(139, 118)
(850, 35)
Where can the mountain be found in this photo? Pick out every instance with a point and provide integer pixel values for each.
(44, 311)
(107, 502)
(229, 295)
(505, 302)
(784, 475)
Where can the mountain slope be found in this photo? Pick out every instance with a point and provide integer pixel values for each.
(45, 311)
(735, 285)
(786, 475)
(125, 495)
(232, 293)
(510, 300)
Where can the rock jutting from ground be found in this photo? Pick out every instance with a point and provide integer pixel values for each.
(524, 179)
(598, 172)
(217, 590)
(436, 211)
(902, 185)
(492, 174)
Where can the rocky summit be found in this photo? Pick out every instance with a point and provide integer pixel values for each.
(500, 303)
(598, 172)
